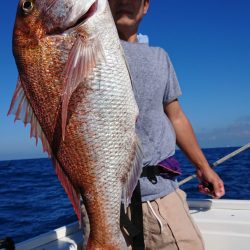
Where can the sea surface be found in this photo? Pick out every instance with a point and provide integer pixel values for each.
(33, 202)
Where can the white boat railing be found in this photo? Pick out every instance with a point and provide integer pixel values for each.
(224, 224)
(66, 237)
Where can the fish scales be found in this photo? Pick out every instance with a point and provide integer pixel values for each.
(97, 152)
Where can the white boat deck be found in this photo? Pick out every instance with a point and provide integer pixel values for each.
(225, 225)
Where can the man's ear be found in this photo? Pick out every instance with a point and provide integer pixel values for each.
(146, 6)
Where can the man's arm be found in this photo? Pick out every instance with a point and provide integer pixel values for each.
(187, 142)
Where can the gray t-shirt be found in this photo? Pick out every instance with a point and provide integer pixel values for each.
(154, 84)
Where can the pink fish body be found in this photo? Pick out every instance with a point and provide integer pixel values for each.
(75, 90)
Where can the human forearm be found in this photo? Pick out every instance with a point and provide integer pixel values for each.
(187, 142)
(185, 137)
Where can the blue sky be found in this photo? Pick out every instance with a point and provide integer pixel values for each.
(209, 44)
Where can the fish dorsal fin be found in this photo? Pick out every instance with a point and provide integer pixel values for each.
(134, 174)
(83, 58)
(22, 110)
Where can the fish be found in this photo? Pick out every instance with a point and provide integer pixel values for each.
(75, 91)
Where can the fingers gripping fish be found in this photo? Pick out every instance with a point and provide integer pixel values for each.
(75, 90)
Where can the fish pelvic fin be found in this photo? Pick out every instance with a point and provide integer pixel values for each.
(134, 173)
(83, 58)
(22, 110)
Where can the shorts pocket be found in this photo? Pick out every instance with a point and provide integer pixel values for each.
(182, 194)
(183, 197)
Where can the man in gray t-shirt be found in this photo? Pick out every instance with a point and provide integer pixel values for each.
(161, 124)
(154, 87)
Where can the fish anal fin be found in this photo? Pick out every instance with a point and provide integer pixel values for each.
(73, 194)
(82, 59)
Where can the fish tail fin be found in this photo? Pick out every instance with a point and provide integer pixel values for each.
(134, 174)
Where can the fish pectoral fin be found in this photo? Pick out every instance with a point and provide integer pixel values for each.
(134, 173)
(22, 110)
(83, 58)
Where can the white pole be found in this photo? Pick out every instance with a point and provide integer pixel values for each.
(239, 150)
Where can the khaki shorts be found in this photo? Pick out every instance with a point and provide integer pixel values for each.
(167, 224)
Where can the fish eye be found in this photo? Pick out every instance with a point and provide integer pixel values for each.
(27, 6)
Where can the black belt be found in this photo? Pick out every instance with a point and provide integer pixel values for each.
(151, 172)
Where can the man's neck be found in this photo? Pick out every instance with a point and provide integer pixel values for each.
(128, 36)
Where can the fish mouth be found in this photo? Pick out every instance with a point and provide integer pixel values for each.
(91, 11)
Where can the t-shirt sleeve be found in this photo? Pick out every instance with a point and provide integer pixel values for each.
(172, 90)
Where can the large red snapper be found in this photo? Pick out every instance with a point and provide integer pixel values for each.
(75, 90)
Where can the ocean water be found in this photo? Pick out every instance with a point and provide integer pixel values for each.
(32, 200)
